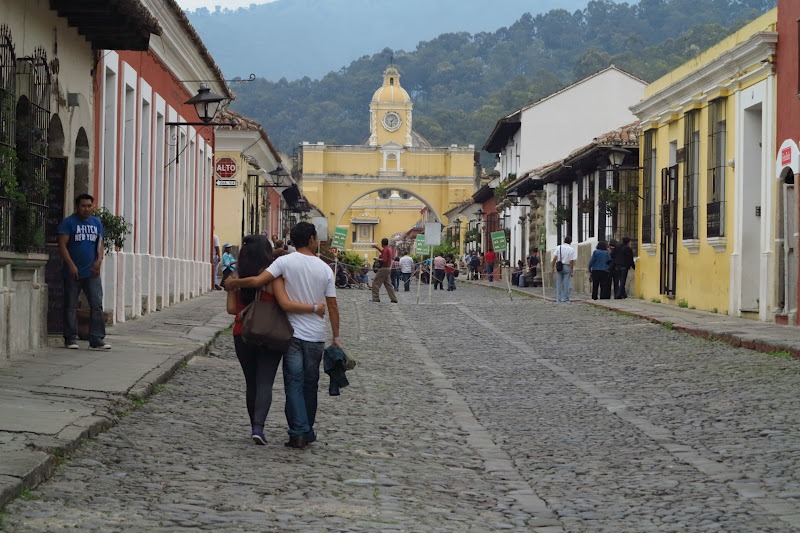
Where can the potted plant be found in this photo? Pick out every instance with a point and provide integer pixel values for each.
(562, 214)
(614, 198)
(115, 229)
(585, 205)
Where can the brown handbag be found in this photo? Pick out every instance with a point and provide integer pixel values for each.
(265, 324)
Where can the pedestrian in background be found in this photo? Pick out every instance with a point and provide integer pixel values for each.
(396, 273)
(613, 246)
(80, 243)
(488, 261)
(259, 364)
(450, 272)
(600, 271)
(533, 263)
(216, 254)
(406, 270)
(474, 266)
(228, 261)
(383, 277)
(567, 255)
(439, 263)
(624, 262)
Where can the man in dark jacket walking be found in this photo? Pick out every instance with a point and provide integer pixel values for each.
(623, 257)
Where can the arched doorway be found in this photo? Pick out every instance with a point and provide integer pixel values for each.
(56, 190)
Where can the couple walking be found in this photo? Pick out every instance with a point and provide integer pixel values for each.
(303, 286)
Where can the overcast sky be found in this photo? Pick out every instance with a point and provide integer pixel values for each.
(210, 4)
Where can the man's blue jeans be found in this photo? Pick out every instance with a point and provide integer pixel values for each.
(300, 382)
(563, 284)
(93, 289)
(490, 271)
(406, 281)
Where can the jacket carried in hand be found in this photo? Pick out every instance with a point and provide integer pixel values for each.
(336, 364)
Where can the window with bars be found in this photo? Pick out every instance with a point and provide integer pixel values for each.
(717, 138)
(691, 174)
(8, 182)
(563, 215)
(649, 177)
(586, 207)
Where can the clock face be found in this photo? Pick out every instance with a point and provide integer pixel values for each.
(391, 121)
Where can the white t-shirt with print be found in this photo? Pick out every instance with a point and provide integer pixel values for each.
(565, 253)
(308, 281)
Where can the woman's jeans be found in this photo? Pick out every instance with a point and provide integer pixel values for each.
(259, 367)
(93, 289)
(300, 381)
(563, 284)
(451, 282)
(396, 279)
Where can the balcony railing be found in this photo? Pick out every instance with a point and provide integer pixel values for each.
(689, 223)
(715, 219)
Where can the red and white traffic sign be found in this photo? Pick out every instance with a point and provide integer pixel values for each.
(226, 167)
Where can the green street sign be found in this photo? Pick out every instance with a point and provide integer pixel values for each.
(422, 248)
(499, 242)
(339, 238)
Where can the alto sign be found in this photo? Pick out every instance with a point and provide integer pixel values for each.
(225, 167)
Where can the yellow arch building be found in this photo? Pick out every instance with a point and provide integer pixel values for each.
(379, 188)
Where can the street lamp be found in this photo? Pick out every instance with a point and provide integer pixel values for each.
(279, 177)
(206, 105)
(616, 155)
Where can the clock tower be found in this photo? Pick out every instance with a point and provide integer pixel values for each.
(390, 112)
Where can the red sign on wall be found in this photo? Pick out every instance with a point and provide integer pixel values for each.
(226, 167)
(786, 156)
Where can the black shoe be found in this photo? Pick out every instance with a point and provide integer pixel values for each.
(310, 437)
(296, 441)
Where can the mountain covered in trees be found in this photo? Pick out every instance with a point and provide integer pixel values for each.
(296, 38)
(462, 83)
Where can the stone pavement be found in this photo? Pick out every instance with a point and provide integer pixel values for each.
(751, 334)
(472, 413)
(52, 398)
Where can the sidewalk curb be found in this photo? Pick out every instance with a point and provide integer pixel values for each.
(38, 464)
(757, 345)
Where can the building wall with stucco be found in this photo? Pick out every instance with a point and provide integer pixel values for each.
(723, 230)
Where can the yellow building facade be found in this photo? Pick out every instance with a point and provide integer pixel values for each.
(354, 185)
(707, 146)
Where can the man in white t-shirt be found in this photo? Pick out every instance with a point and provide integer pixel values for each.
(406, 269)
(567, 255)
(308, 280)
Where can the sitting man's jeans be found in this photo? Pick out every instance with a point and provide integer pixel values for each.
(406, 281)
(93, 289)
(300, 382)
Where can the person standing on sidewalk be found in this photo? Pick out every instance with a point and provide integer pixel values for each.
(406, 270)
(308, 280)
(384, 273)
(259, 364)
(600, 271)
(624, 262)
(216, 254)
(488, 260)
(80, 242)
(567, 255)
(439, 263)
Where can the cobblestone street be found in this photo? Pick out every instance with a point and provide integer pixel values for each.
(473, 413)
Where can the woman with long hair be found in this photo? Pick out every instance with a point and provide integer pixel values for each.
(259, 364)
